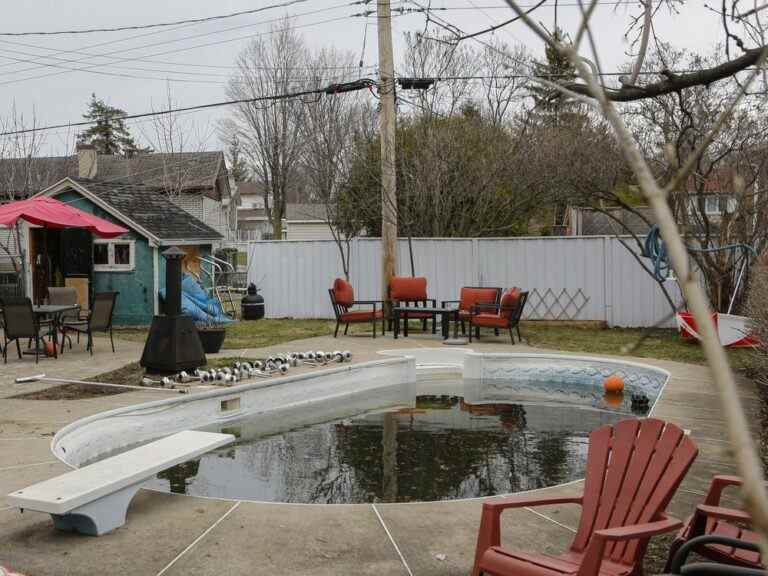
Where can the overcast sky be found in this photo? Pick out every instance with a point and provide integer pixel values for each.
(132, 70)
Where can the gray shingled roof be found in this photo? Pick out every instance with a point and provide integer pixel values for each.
(195, 170)
(150, 208)
(192, 169)
(305, 212)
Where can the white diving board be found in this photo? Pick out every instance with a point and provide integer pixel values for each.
(94, 499)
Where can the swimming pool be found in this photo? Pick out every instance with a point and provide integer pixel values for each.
(463, 425)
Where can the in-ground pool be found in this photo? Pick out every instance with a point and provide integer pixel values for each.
(454, 439)
(425, 424)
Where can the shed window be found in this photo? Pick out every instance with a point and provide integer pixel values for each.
(114, 255)
(100, 254)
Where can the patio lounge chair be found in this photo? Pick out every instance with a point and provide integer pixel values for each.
(711, 519)
(678, 565)
(343, 298)
(470, 296)
(412, 291)
(99, 320)
(505, 314)
(622, 504)
(19, 322)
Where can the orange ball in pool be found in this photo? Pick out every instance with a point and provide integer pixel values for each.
(613, 384)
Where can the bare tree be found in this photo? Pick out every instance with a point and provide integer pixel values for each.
(271, 132)
(329, 131)
(721, 208)
(175, 136)
(22, 173)
(502, 82)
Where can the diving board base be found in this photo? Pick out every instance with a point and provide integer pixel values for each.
(100, 516)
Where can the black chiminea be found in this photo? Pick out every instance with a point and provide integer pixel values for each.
(173, 344)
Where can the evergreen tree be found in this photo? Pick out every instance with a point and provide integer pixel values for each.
(238, 167)
(552, 107)
(109, 134)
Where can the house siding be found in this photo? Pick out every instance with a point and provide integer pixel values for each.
(191, 203)
(308, 231)
(135, 303)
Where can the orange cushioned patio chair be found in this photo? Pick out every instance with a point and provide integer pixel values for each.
(469, 297)
(711, 519)
(506, 314)
(343, 298)
(633, 470)
(412, 291)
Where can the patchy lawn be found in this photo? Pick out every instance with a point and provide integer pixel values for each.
(649, 343)
(663, 344)
(259, 333)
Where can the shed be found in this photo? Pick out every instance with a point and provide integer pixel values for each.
(129, 264)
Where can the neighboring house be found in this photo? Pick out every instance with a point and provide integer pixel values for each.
(252, 220)
(306, 222)
(130, 264)
(198, 182)
(591, 222)
(710, 198)
(302, 221)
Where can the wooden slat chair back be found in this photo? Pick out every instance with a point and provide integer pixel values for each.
(633, 470)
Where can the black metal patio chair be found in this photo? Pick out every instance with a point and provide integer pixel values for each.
(19, 322)
(679, 566)
(99, 320)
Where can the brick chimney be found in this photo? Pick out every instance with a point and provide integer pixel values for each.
(87, 161)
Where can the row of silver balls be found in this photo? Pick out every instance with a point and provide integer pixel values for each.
(278, 364)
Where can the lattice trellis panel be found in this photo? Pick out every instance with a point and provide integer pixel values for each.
(553, 305)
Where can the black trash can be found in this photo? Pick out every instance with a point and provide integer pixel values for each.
(252, 305)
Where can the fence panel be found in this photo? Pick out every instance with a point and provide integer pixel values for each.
(583, 278)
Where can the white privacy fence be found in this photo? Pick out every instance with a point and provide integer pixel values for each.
(569, 278)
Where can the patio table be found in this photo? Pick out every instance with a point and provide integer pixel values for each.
(54, 311)
(446, 315)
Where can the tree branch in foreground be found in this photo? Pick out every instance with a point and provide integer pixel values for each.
(676, 82)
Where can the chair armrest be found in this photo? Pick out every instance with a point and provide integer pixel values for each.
(723, 513)
(477, 307)
(497, 505)
(444, 302)
(593, 557)
(367, 302)
(636, 531)
(716, 487)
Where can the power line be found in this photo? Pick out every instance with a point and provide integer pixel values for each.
(359, 84)
(90, 55)
(129, 59)
(160, 24)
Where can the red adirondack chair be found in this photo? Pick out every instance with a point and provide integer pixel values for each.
(622, 505)
(712, 519)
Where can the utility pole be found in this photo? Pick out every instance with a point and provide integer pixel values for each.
(387, 128)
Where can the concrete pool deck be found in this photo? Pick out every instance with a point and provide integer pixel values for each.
(176, 535)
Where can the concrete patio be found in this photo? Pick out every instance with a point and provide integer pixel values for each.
(178, 535)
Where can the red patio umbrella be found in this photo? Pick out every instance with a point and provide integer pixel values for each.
(52, 213)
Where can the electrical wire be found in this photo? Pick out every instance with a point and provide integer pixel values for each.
(160, 24)
(331, 89)
(189, 37)
(248, 37)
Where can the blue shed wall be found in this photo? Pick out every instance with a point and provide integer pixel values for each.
(135, 303)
